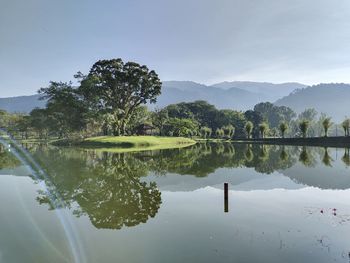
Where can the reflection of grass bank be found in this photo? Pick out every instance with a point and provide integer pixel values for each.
(131, 143)
(212, 140)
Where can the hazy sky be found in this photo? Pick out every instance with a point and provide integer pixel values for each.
(201, 40)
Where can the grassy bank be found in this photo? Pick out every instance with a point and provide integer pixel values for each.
(134, 143)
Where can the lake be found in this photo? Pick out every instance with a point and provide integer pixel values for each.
(285, 204)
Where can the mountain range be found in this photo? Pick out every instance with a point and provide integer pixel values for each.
(21, 104)
(241, 95)
(332, 99)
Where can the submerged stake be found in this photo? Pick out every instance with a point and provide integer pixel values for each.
(225, 197)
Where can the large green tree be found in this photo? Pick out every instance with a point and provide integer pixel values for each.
(39, 121)
(118, 88)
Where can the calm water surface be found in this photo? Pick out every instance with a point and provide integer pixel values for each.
(286, 204)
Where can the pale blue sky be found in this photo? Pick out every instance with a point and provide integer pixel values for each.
(201, 40)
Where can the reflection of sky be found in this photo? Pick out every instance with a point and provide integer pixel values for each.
(29, 233)
(276, 225)
(239, 179)
(264, 226)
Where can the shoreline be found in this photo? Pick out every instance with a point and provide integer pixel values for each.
(313, 141)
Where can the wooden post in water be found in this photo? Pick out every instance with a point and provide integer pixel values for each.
(226, 197)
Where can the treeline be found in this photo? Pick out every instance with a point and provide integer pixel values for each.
(111, 100)
(188, 119)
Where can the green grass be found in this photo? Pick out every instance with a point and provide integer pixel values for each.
(135, 143)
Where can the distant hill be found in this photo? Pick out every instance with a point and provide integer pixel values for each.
(185, 91)
(240, 95)
(332, 99)
(233, 95)
(267, 91)
(21, 104)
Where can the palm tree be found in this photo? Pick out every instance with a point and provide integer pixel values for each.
(248, 128)
(283, 128)
(229, 131)
(304, 126)
(219, 133)
(326, 123)
(263, 127)
(346, 126)
(206, 132)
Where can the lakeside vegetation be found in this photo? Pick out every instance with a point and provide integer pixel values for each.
(111, 100)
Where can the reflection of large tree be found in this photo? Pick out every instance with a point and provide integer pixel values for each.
(7, 160)
(105, 186)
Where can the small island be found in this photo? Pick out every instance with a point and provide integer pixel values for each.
(128, 143)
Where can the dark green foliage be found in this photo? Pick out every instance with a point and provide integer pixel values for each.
(181, 127)
(118, 88)
(159, 118)
(208, 116)
(274, 115)
(255, 118)
(66, 111)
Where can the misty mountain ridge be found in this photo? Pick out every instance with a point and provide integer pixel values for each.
(240, 95)
(21, 104)
(223, 95)
(332, 99)
(268, 91)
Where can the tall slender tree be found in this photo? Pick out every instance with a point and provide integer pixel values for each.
(346, 126)
(304, 126)
(283, 128)
(326, 123)
(248, 128)
(263, 128)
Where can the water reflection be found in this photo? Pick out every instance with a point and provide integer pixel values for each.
(346, 157)
(110, 190)
(106, 187)
(7, 160)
